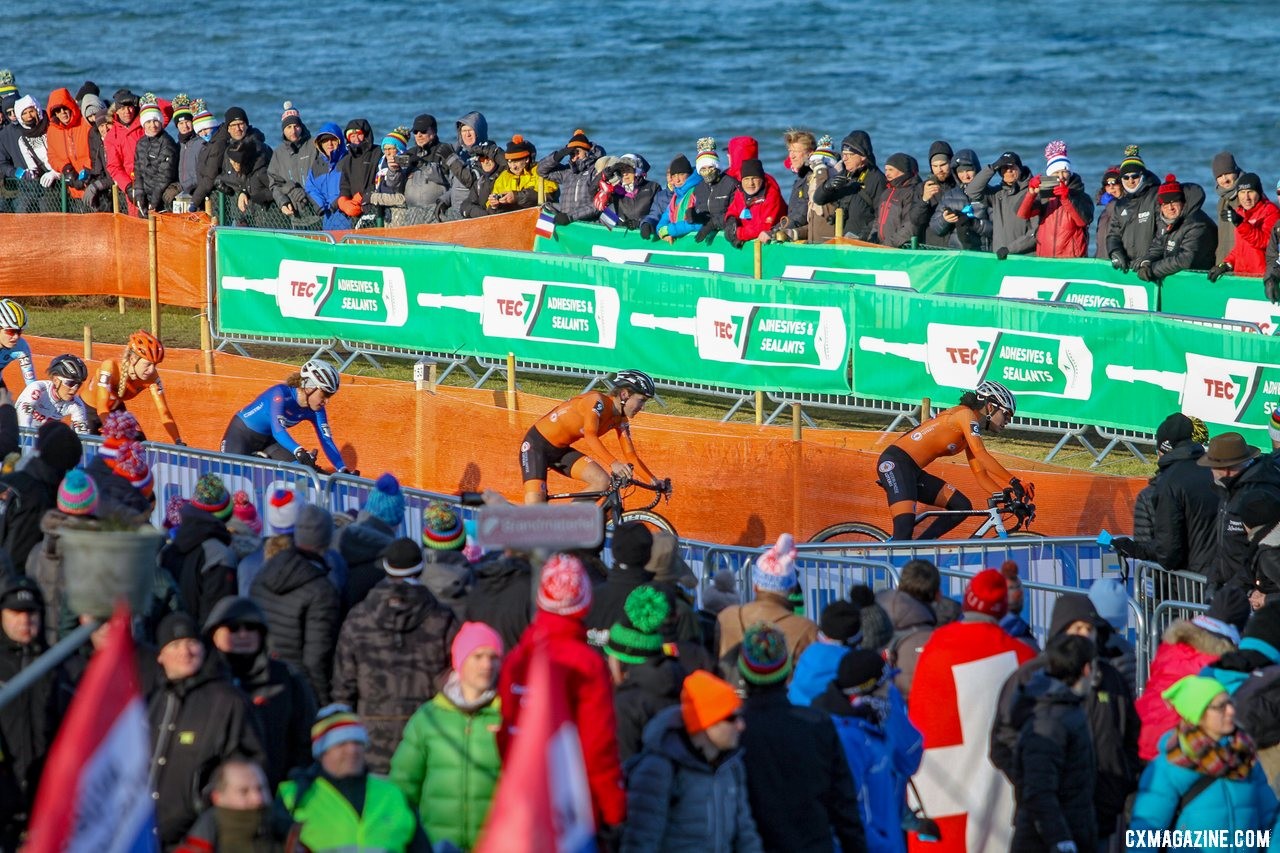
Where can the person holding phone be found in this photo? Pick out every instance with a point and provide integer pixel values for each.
(1060, 203)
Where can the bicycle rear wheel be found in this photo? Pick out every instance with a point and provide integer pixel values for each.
(851, 532)
(650, 519)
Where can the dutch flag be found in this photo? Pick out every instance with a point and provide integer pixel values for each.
(546, 225)
(94, 794)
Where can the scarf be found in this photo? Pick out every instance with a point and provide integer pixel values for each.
(452, 691)
(1231, 758)
(1230, 194)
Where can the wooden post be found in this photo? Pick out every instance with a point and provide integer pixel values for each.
(120, 305)
(542, 191)
(797, 426)
(153, 261)
(926, 409)
(88, 343)
(757, 249)
(759, 408)
(839, 222)
(206, 341)
(511, 381)
(115, 199)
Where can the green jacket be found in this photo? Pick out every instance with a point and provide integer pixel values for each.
(447, 765)
(330, 823)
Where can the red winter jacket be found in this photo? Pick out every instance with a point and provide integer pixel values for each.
(590, 693)
(766, 206)
(1249, 255)
(1064, 222)
(1185, 650)
(122, 142)
(740, 148)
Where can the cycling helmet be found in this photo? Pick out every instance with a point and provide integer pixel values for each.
(318, 373)
(636, 380)
(147, 346)
(68, 367)
(12, 315)
(996, 393)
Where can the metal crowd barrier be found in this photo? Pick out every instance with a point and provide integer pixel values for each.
(1164, 615)
(348, 493)
(1154, 585)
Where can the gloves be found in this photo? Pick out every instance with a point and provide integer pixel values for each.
(839, 182)
(354, 472)
(563, 153)
(646, 230)
(1144, 271)
(1271, 285)
(1062, 191)
(731, 224)
(1034, 183)
(664, 232)
(1219, 271)
(305, 457)
(1124, 546)
(1234, 216)
(48, 179)
(705, 233)
(351, 206)
(1119, 260)
(1002, 253)
(1019, 491)
(562, 218)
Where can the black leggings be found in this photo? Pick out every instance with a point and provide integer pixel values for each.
(905, 481)
(241, 440)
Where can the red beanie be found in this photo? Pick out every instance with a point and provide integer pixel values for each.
(988, 593)
(1170, 190)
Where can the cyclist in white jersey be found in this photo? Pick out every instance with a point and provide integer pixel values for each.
(57, 397)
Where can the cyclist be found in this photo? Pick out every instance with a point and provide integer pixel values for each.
(549, 443)
(122, 380)
(57, 397)
(901, 467)
(13, 319)
(262, 427)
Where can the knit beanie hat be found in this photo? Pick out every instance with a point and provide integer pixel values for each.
(706, 700)
(1224, 163)
(282, 511)
(1132, 161)
(1170, 190)
(398, 139)
(1205, 622)
(211, 496)
(1055, 157)
(235, 114)
(900, 161)
(472, 636)
(57, 444)
(632, 544)
(91, 105)
(579, 140)
(637, 637)
(775, 569)
(987, 592)
(289, 116)
(763, 657)
(117, 428)
(842, 621)
(442, 528)
(181, 105)
(877, 627)
(1172, 431)
(386, 501)
(131, 463)
(824, 156)
(1190, 696)
(313, 531)
(752, 168)
(173, 512)
(149, 109)
(1111, 601)
(77, 494)
(707, 154)
(425, 123)
(518, 148)
(176, 626)
(402, 558)
(7, 85)
(680, 166)
(564, 588)
(1249, 181)
(860, 672)
(245, 512)
(336, 724)
(202, 119)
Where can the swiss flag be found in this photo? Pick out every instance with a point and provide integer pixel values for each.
(543, 803)
(953, 703)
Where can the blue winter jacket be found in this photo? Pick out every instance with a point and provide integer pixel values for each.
(814, 671)
(323, 186)
(1226, 804)
(683, 226)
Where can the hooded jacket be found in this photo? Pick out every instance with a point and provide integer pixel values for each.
(28, 724)
(122, 143)
(1063, 231)
(1187, 243)
(116, 494)
(913, 623)
(301, 606)
(740, 148)
(1009, 231)
(632, 207)
(757, 213)
(200, 561)
(1185, 515)
(155, 167)
(361, 544)
(466, 171)
(903, 214)
(501, 597)
(1249, 255)
(973, 231)
(1135, 218)
(359, 167)
(69, 143)
(323, 183)
(577, 180)
(290, 165)
(1185, 649)
(677, 802)
(649, 687)
(858, 195)
(393, 653)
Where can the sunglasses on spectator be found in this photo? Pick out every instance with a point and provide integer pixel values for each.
(1132, 176)
(1111, 182)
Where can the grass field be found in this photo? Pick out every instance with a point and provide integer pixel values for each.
(61, 317)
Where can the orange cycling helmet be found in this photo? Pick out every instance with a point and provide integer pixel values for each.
(147, 346)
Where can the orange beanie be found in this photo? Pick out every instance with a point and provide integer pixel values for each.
(706, 700)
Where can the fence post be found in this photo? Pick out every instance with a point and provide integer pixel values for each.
(62, 183)
(542, 191)
(511, 381)
(153, 273)
(206, 341)
(115, 198)
(759, 408)
(757, 251)
(797, 422)
(88, 343)
(208, 209)
(926, 409)
(839, 222)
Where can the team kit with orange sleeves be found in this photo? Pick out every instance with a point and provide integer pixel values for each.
(116, 382)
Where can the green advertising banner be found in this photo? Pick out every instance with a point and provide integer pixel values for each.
(1230, 297)
(574, 312)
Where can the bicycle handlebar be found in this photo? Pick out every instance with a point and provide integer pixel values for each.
(1021, 509)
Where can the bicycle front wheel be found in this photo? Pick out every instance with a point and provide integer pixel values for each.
(851, 532)
(650, 519)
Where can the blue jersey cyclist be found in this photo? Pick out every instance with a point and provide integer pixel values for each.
(13, 319)
(262, 427)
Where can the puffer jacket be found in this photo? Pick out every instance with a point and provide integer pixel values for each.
(301, 606)
(913, 623)
(447, 765)
(122, 143)
(1249, 255)
(291, 163)
(756, 214)
(814, 669)
(1185, 649)
(903, 214)
(1063, 231)
(1225, 805)
(68, 145)
(476, 203)
(1184, 520)
(1135, 217)
(633, 207)
(393, 653)
(189, 147)
(711, 199)
(155, 167)
(323, 184)
(678, 803)
(577, 180)
(1187, 243)
(1009, 231)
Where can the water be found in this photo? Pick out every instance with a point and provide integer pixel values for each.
(1183, 78)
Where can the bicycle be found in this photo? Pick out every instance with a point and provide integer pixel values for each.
(611, 500)
(998, 506)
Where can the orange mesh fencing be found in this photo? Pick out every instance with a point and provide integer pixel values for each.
(512, 231)
(735, 483)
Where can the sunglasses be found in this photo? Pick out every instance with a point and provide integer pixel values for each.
(70, 383)
(1111, 182)
(13, 331)
(1136, 176)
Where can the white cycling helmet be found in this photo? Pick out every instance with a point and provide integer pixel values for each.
(636, 380)
(318, 373)
(12, 315)
(996, 393)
